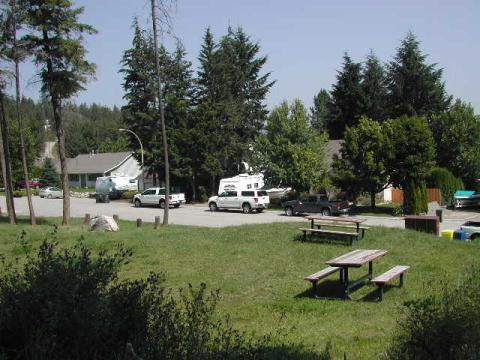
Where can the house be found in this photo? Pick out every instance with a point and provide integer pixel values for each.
(84, 169)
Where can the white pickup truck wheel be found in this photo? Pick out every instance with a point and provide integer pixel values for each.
(162, 204)
(246, 208)
(212, 206)
(138, 203)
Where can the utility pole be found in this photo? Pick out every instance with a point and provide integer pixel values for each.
(162, 115)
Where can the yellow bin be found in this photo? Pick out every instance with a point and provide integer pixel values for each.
(448, 233)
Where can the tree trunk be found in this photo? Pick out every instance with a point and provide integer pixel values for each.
(22, 139)
(193, 186)
(6, 164)
(372, 200)
(57, 117)
(162, 115)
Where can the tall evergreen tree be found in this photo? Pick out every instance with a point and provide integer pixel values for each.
(346, 105)
(319, 112)
(374, 89)
(415, 87)
(57, 36)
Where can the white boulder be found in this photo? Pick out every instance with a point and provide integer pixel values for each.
(103, 223)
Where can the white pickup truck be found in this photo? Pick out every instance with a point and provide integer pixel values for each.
(246, 200)
(156, 196)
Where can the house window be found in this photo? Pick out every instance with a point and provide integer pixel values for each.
(249, 186)
(255, 185)
(73, 177)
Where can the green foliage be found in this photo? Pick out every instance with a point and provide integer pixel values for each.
(444, 180)
(415, 88)
(320, 111)
(374, 89)
(49, 172)
(410, 150)
(346, 104)
(129, 194)
(415, 198)
(457, 136)
(291, 153)
(363, 163)
(441, 326)
(19, 193)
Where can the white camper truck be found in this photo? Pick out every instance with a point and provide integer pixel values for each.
(241, 182)
(113, 186)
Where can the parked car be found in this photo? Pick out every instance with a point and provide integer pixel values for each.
(156, 196)
(472, 228)
(35, 182)
(318, 203)
(247, 200)
(51, 192)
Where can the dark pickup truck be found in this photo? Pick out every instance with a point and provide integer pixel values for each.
(316, 204)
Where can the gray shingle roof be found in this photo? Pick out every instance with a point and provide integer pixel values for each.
(96, 164)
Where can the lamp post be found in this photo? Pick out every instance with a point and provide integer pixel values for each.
(141, 154)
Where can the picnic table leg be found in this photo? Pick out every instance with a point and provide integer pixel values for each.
(380, 292)
(313, 225)
(341, 276)
(370, 270)
(345, 282)
(401, 280)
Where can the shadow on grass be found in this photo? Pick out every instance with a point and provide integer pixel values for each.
(21, 220)
(331, 239)
(379, 210)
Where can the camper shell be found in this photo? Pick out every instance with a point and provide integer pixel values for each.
(241, 182)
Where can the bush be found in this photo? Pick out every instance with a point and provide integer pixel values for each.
(441, 326)
(444, 180)
(415, 199)
(129, 194)
(67, 304)
(19, 193)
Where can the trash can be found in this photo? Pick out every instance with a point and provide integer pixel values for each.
(447, 234)
(439, 213)
(460, 235)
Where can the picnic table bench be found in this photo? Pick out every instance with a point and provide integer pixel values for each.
(391, 274)
(321, 224)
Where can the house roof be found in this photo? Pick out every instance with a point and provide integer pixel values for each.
(333, 148)
(95, 164)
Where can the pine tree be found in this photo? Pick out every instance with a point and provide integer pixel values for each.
(415, 87)
(346, 105)
(374, 89)
(57, 36)
(49, 172)
(319, 112)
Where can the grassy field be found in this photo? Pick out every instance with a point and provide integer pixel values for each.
(260, 269)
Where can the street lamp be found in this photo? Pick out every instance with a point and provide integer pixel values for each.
(141, 154)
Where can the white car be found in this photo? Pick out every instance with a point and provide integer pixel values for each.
(247, 200)
(156, 196)
(51, 192)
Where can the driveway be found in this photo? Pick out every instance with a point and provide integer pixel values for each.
(199, 215)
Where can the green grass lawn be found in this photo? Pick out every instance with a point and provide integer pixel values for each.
(259, 270)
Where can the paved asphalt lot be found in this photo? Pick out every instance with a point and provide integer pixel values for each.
(199, 215)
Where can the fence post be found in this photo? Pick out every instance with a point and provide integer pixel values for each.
(87, 219)
(139, 223)
(157, 222)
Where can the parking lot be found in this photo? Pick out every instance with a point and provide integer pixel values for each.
(199, 215)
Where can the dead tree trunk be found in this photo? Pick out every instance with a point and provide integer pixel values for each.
(162, 115)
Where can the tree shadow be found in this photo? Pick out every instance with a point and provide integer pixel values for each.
(323, 239)
(26, 221)
(325, 290)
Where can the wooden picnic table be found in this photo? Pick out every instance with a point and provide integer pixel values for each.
(356, 258)
(335, 219)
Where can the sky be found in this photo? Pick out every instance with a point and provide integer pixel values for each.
(304, 39)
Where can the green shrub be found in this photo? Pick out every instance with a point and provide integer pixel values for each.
(444, 180)
(441, 326)
(415, 199)
(20, 193)
(129, 194)
(68, 304)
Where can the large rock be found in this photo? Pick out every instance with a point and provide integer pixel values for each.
(103, 223)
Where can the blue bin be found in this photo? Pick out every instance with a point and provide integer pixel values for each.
(460, 235)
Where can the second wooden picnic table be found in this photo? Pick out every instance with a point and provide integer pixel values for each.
(356, 258)
(334, 219)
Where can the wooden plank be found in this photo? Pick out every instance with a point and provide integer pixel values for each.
(320, 231)
(322, 273)
(357, 257)
(391, 274)
(342, 226)
(336, 219)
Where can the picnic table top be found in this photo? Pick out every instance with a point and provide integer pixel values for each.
(335, 218)
(357, 258)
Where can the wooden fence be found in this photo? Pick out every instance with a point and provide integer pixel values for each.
(433, 195)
